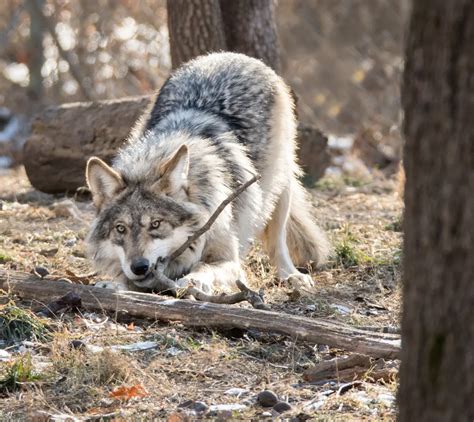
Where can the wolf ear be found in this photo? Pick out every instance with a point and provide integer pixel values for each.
(103, 181)
(173, 172)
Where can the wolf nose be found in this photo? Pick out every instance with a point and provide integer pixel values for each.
(140, 266)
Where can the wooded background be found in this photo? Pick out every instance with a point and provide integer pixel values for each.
(344, 62)
(342, 59)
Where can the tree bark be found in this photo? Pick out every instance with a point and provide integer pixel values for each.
(250, 28)
(195, 28)
(201, 26)
(35, 48)
(198, 314)
(436, 377)
(64, 137)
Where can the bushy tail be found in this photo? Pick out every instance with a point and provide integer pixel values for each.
(305, 239)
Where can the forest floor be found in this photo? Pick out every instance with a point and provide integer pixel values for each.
(44, 377)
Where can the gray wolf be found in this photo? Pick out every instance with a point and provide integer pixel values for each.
(215, 122)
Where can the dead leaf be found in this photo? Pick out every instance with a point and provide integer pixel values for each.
(126, 393)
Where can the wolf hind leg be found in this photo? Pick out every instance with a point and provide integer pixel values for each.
(275, 243)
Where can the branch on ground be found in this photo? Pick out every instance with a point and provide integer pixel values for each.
(210, 315)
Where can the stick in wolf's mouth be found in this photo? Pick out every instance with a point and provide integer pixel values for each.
(163, 283)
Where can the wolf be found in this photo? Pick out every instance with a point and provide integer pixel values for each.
(217, 121)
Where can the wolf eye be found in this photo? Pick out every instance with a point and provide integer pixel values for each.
(155, 224)
(120, 228)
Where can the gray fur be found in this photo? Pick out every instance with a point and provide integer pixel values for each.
(235, 115)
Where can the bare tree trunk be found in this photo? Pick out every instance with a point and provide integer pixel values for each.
(437, 370)
(35, 48)
(195, 27)
(201, 26)
(250, 28)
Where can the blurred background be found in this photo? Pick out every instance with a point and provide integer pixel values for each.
(342, 58)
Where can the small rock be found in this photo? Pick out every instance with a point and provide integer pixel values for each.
(70, 242)
(196, 406)
(200, 407)
(41, 271)
(77, 344)
(282, 407)
(267, 398)
(4, 356)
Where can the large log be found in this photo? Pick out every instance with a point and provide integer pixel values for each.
(192, 313)
(64, 137)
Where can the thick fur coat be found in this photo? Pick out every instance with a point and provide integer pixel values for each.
(216, 121)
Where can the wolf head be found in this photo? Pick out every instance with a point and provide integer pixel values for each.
(140, 221)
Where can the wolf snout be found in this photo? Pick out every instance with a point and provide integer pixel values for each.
(140, 266)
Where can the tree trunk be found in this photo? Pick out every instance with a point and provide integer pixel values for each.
(201, 26)
(250, 28)
(195, 28)
(64, 137)
(437, 370)
(35, 48)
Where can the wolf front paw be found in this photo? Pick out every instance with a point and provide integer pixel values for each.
(109, 284)
(195, 281)
(300, 281)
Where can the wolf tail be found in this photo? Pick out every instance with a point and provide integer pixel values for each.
(305, 239)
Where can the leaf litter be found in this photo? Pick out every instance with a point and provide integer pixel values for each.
(174, 364)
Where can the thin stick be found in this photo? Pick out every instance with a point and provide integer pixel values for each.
(245, 295)
(212, 218)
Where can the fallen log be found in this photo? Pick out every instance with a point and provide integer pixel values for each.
(192, 313)
(64, 137)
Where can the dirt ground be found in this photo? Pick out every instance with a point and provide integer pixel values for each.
(74, 367)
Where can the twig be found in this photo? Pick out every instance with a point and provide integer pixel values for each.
(213, 217)
(245, 295)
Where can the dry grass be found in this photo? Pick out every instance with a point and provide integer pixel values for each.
(360, 286)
